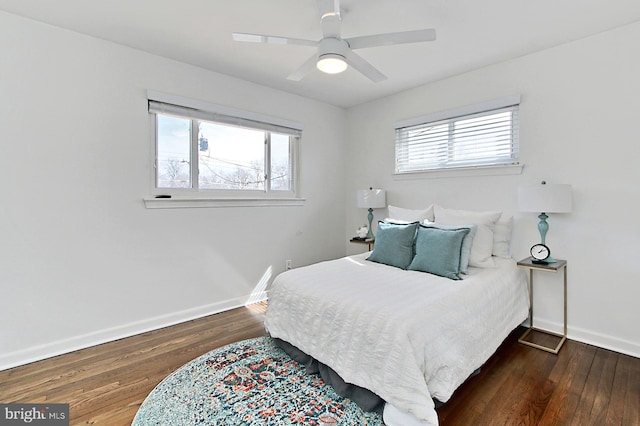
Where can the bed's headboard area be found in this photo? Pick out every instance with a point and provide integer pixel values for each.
(442, 241)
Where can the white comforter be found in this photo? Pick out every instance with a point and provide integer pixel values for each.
(407, 336)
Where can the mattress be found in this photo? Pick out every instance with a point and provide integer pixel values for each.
(407, 336)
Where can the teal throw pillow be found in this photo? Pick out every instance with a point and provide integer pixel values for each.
(394, 244)
(438, 251)
(466, 242)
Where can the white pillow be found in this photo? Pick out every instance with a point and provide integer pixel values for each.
(502, 237)
(482, 246)
(410, 215)
(400, 222)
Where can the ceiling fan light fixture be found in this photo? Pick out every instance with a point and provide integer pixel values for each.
(331, 63)
(335, 54)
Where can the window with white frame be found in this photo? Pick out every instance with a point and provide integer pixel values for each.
(201, 152)
(474, 136)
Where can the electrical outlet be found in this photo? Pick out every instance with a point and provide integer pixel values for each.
(287, 264)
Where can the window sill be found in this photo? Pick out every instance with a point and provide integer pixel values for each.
(511, 169)
(183, 202)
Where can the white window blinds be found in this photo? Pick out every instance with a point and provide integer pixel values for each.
(198, 114)
(484, 138)
(160, 103)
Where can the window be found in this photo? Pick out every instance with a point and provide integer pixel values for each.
(481, 135)
(204, 153)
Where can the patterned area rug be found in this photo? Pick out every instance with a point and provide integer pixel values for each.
(252, 382)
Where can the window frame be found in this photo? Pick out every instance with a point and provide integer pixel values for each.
(197, 111)
(448, 117)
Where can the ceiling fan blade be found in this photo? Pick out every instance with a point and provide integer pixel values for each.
(259, 38)
(364, 67)
(388, 39)
(330, 18)
(304, 69)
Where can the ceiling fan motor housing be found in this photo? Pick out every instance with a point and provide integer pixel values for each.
(332, 46)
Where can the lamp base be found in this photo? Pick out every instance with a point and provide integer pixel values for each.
(370, 217)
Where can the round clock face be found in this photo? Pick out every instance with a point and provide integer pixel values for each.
(540, 252)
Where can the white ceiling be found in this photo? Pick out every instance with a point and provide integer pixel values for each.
(470, 34)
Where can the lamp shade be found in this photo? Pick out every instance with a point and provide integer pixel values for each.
(545, 198)
(371, 198)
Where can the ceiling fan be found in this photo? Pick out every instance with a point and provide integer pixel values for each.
(334, 53)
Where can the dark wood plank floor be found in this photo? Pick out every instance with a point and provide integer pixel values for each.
(106, 384)
(519, 385)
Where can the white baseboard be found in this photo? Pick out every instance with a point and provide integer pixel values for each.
(48, 350)
(37, 353)
(590, 337)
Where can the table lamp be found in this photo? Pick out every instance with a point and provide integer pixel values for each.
(543, 199)
(371, 199)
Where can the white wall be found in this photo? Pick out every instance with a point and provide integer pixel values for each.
(81, 259)
(579, 113)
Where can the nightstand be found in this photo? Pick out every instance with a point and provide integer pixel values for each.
(547, 267)
(368, 241)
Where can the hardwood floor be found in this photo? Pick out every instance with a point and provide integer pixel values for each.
(106, 384)
(519, 385)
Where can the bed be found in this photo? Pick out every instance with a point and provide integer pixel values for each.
(408, 336)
